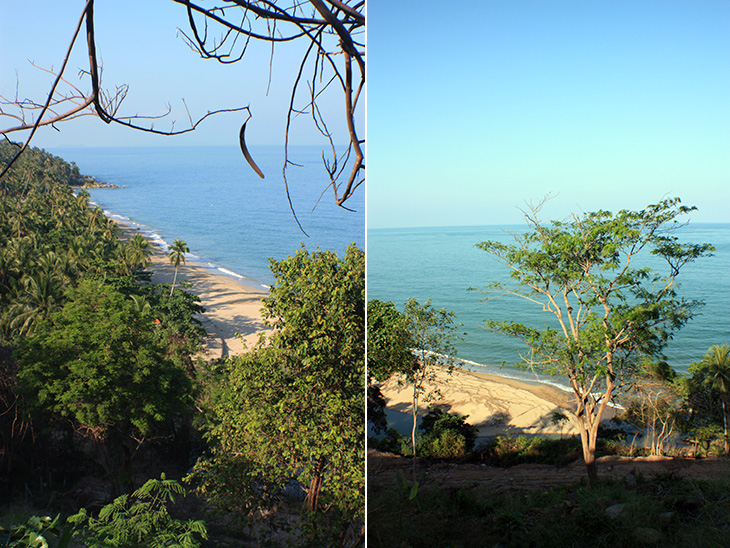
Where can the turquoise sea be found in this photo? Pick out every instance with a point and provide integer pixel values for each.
(232, 220)
(443, 263)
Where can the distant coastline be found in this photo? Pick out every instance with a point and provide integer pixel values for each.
(87, 181)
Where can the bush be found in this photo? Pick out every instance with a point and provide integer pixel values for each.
(392, 442)
(509, 451)
(445, 436)
(437, 422)
(141, 520)
(444, 444)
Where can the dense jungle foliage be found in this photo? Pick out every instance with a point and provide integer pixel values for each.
(102, 389)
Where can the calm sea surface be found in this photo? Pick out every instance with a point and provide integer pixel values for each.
(442, 264)
(232, 220)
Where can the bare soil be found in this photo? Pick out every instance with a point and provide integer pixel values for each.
(382, 469)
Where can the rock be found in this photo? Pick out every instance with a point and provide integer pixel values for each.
(615, 510)
(630, 480)
(89, 182)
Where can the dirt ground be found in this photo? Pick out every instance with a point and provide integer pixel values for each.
(382, 469)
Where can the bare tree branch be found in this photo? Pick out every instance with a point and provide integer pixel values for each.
(50, 94)
(331, 28)
(337, 22)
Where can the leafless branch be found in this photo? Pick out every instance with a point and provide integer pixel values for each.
(330, 27)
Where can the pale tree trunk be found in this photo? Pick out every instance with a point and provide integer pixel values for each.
(174, 279)
(588, 444)
(589, 419)
(724, 424)
(414, 416)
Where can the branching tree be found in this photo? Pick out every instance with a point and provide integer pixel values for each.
(292, 411)
(432, 332)
(334, 56)
(389, 353)
(609, 311)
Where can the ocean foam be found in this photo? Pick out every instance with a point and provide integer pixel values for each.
(229, 272)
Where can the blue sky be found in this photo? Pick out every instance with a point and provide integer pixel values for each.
(139, 45)
(476, 108)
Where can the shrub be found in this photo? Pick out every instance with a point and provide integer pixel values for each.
(141, 520)
(444, 444)
(392, 442)
(509, 451)
(438, 421)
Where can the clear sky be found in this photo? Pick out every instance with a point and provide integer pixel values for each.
(138, 42)
(475, 108)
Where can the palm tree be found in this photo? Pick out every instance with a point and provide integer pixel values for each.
(177, 256)
(141, 305)
(716, 368)
(134, 255)
(40, 294)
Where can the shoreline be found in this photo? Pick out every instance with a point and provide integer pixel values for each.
(496, 405)
(160, 244)
(232, 317)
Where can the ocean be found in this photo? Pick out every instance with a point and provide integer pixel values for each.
(231, 220)
(443, 263)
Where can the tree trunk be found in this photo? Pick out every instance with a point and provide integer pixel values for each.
(588, 421)
(591, 469)
(414, 415)
(588, 442)
(127, 479)
(724, 423)
(174, 279)
(311, 501)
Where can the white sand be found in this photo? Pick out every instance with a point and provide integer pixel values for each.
(232, 308)
(496, 405)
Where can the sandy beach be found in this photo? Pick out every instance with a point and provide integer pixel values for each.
(232, 308)
(496, 405)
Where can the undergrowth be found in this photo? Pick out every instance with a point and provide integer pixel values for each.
(663, 512)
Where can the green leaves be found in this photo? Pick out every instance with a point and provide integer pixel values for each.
(389, 341)
(585, 272)
(141, 520)
(38, 532)
(99, 363)
(291, 411)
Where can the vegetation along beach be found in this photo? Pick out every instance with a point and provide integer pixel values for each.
(213, 335)
(591, 380)
(129, 364)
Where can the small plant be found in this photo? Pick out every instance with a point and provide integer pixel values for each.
(509, 451)
(141, 520)
(409, 489)
(37, 532)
